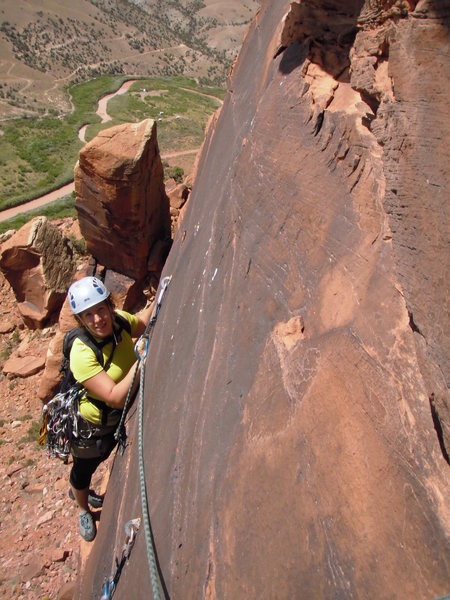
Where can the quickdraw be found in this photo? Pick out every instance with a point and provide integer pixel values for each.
(141, 346)
(109, 586)
(59, 427)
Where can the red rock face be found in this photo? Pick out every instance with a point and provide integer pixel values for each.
(122, 206)
(290, 448)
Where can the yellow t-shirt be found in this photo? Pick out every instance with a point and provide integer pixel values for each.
(84, 365)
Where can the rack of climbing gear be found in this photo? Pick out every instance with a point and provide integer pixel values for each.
(141, 351)
(59, 426)
(109, 586)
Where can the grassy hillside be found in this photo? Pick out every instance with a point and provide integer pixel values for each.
(65, 207)
(58, 57)
(46, 45)
(38, 154)
(180, 107)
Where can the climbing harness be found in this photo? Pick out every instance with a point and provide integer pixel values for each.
(141, 351)
(65, 431)
(109, 586)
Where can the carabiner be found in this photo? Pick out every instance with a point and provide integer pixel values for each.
(141, 347)
(164, 283)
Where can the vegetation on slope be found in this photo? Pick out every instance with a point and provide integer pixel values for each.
(76, 44)
(90, 38)
(86, 49)
(65, 207)
(180, 107)
(38, 155)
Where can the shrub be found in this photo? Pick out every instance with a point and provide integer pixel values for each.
(176, 173)
(79, 245)
(32, 434)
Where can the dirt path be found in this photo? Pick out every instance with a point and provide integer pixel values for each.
(82, 133)
(9, 213)
(128, 57)
(219, 100)
(179, 153)
(103, 105)
(103, 102)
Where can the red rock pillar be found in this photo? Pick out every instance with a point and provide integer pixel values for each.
(120, 198)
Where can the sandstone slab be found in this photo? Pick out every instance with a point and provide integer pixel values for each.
(6, 326)
(34, 569)
(67, 591)
(23, 366)
(178, 194)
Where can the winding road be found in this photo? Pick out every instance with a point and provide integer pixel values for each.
(9, 213)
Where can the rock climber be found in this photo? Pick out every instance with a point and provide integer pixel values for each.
(105, 386)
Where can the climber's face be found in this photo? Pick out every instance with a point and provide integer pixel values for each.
(98, 320)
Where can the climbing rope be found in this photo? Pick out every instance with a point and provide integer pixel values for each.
(149, 541)
(141, 350)
(120, 434)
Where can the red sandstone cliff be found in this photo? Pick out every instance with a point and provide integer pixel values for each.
(291, 449)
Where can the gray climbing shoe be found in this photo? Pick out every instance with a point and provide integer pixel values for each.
(86, 522)
(94, 499)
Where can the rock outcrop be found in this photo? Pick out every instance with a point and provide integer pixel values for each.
(51, 378)
(24, 366)
(120, 198)
(291, 450)
(178, 193)
(38, 263)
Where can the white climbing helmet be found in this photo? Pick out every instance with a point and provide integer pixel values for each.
(85, 293)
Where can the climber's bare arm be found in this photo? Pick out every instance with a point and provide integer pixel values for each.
(106, 389)
(143, 319)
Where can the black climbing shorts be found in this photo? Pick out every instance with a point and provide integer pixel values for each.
(83, 468)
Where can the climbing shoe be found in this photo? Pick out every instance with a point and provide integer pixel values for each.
(94, 499)
(86, 522)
